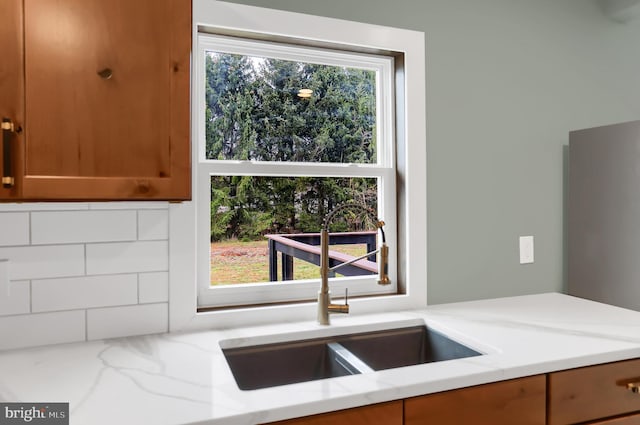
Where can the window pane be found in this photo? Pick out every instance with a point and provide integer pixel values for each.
(266, 109)
(248, 211)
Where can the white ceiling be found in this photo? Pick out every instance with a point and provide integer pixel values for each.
(621, 10)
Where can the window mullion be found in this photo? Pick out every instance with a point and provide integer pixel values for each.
(290, 169)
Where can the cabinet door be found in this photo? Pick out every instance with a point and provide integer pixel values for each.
(11, 84)
(589, 393)
(520, 401)
(376, 414)
(106, 100)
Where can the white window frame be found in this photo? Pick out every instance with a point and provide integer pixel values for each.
(233, 19)
(383, 170)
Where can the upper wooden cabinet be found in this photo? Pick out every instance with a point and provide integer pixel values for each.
(625, 420)
(98, 93)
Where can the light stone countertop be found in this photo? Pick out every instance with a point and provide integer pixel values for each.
(183, 378)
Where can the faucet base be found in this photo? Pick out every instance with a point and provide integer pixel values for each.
(324, 298)
(325, 307)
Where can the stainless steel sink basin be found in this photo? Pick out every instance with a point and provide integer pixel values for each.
(287, 363)
(405, 347)
(269, 365)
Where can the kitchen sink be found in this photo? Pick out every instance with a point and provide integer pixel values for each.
(269, 365)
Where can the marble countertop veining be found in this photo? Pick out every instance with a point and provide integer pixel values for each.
(183, 378)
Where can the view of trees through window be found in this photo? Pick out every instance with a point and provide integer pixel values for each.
(274, 110)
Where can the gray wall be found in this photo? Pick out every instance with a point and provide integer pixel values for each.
(506, 81)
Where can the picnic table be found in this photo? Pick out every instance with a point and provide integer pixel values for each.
(306, 246)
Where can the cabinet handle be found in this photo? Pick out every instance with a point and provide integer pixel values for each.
(634, 387)
(7, 175)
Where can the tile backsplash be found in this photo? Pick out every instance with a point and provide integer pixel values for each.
(82, 271)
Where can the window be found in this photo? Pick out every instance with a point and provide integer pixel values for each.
(286, 134)
(189, 250)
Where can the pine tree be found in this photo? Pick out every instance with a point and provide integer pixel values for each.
(253, 112)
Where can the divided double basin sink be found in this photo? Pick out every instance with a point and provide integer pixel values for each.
(269, 365)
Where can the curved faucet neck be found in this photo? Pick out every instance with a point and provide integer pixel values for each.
(324, 300)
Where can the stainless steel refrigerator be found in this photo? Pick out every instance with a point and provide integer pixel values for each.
(604, 214)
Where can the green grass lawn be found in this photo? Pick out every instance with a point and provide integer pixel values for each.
(248, 262)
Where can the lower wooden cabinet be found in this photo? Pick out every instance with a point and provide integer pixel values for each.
(376, 414)
(607, 394)
(595, 392)
(518, 401)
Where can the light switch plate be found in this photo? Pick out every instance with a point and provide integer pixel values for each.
(526, 249)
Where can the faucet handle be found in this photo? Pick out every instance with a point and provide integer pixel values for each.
(340, 308)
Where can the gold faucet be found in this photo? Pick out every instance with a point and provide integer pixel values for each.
(325, 307)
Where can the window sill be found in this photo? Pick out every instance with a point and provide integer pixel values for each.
(298, 312)
(337, 299)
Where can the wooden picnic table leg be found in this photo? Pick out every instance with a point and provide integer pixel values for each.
(287, 267)
(371, 246)
(273, 261)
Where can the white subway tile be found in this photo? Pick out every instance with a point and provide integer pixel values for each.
(38, 262)
(84, 292)
(128, 257)
(57, 227)
(41, 329)
(154, 287)
(153, 225)
(16, 299)
(117, 322)
(14, 228)
(44, 206)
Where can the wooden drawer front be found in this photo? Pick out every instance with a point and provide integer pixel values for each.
(625, 420)
(591, 393)
(519, 401)
(376, 414)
